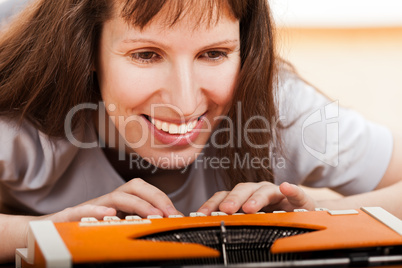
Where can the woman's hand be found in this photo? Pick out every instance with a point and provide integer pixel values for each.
(261, 196)
(137, 197)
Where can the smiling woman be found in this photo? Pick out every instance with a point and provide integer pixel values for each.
(167, 74)
(165, 107)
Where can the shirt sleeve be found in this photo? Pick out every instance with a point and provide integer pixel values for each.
(28, 161)
(327, 145)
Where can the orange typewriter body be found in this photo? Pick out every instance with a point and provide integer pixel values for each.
(120, 240)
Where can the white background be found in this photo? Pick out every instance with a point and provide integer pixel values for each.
(337, 13)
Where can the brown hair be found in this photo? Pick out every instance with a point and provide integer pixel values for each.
(47, 55)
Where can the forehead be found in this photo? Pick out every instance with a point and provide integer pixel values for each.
(182, 35)
(140, 13)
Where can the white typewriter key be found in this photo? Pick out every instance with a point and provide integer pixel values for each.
(321, 209)
(238, 213)
(385, 217)
(133, 217)
(89, 219)
(260, 212)
(218, 213)
(343, 212)
(154, 217)
(111, 218)
(300, 210)
(197, 214)
(176, 216)
(279, 211)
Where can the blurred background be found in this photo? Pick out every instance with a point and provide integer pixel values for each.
(9, 7)
(350, 49)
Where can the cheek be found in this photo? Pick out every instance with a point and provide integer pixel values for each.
(219, 82)
(127, 87)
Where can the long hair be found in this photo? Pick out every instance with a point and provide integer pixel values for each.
(47, 56)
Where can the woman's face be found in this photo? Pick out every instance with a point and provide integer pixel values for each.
(164, 87)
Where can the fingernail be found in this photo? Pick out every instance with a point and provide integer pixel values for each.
(155, 211)
(103, 210)
(252, 202)
(230, 203)
(171, 210)
(204, 210)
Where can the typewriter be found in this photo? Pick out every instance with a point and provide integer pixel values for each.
(368, 237)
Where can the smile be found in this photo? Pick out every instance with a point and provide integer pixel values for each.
(172, 128)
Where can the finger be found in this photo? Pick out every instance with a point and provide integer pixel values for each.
(237, 197)
(212, 204)
(151, 194)
(295, 195)
(266, 195)
(131, 204)
(78, 212)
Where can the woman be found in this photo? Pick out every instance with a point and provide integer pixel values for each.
(167, 107)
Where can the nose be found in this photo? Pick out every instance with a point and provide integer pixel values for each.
(182, 88)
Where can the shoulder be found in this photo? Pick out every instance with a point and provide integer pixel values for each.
(14, 134)
(27, 154)
(296, 97)
(20, 147)
(327, 145)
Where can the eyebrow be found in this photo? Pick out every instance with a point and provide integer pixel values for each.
(144, 40)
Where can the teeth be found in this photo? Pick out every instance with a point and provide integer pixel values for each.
(183, 129)
(158, 124)
(173, 128)
(165, 127)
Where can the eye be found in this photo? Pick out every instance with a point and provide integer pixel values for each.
(214, 55)
(145, 57)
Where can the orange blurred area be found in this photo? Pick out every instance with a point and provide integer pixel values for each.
(360, 67)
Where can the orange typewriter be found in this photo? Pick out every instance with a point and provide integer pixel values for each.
(339, 238)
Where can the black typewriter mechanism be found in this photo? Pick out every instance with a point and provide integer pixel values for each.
(249, 246)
